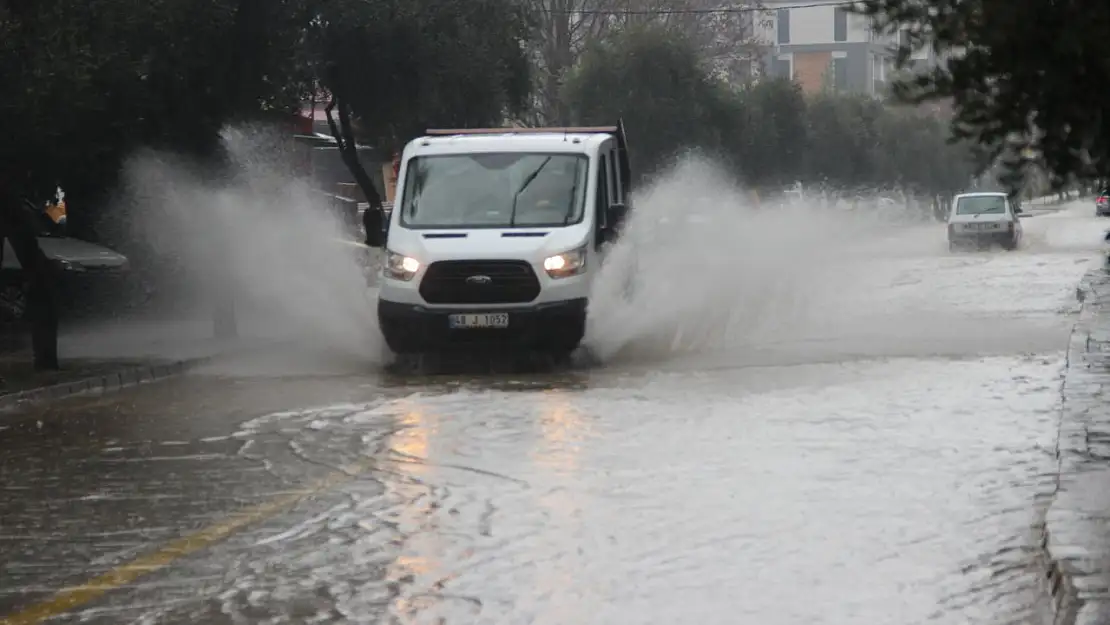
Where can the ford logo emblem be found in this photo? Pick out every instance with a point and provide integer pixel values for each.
(479, 280)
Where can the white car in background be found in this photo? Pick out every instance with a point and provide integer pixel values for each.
(984, 219)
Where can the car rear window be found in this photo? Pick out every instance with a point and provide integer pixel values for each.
(981, 205)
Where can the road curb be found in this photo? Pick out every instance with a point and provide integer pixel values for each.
(123, 378)
(1069, 542)
(1059, 581)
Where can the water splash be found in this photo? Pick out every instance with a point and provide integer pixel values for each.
(264, 231)
(702, 267)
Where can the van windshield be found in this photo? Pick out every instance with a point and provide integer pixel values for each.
(503, 190)
(981, 205)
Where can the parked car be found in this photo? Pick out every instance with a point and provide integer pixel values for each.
(85, 271)
(982, 219)
(1102, 203)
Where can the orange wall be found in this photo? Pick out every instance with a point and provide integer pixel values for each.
(811, 69)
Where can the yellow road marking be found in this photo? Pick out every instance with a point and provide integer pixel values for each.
(70, 598)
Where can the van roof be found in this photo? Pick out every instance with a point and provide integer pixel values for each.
(563, 130)
(561, 139)
(983, 194)
(508, 142)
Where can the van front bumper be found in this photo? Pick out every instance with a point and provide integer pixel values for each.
(1005, 238)
(551, 327)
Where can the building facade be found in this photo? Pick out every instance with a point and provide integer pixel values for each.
(824, 47)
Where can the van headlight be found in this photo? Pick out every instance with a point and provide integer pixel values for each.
(399, 266)
(566, 264)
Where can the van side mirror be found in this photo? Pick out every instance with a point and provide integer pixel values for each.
(374, 223)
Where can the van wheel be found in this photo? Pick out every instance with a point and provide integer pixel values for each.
(561, 358)
(563, 339)
(953, 247)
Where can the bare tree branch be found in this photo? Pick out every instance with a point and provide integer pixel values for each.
(567, 27)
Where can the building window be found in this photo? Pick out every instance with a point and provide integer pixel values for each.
(782, 21)
(782, 67)
(840, 25)
(840, 73)
(877, 67)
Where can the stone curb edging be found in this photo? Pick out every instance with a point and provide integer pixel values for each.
(1059, 581)
(126, 377)
(1061, 560)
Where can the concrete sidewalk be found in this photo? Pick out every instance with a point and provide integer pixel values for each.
(116, 354)
(158, 338)
(1076, 531)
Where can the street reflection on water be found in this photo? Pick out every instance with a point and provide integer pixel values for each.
(600, 501)
(885, 491)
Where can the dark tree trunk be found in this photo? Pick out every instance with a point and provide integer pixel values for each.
(372, 219)
(348, 148)
(42, 303)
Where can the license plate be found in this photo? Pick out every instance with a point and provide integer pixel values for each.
(479, 320)
(982, 226)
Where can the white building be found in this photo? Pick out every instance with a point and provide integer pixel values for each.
(823, 46)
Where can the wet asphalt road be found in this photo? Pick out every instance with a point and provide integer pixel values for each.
(880, 464)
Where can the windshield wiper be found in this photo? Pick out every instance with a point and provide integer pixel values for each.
(527, 181)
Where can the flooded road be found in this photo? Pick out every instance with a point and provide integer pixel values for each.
(877, 459)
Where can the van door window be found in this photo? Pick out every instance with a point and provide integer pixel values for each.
(602, 207)
(615, 179)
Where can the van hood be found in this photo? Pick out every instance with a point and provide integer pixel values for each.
(531, 244)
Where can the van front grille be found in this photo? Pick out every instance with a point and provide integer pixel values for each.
(479, 282)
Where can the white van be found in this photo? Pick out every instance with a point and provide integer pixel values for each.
(982, 219)
(496, 236)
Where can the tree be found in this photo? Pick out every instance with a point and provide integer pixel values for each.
(1020, 74)
(92, 81)
(49, 60)
(402, 64)
(395, 67)
(777, 113)
(655, 79)
(89, 81)
(771, 135)
(839, 151)
(560, 30)
(724, 33)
